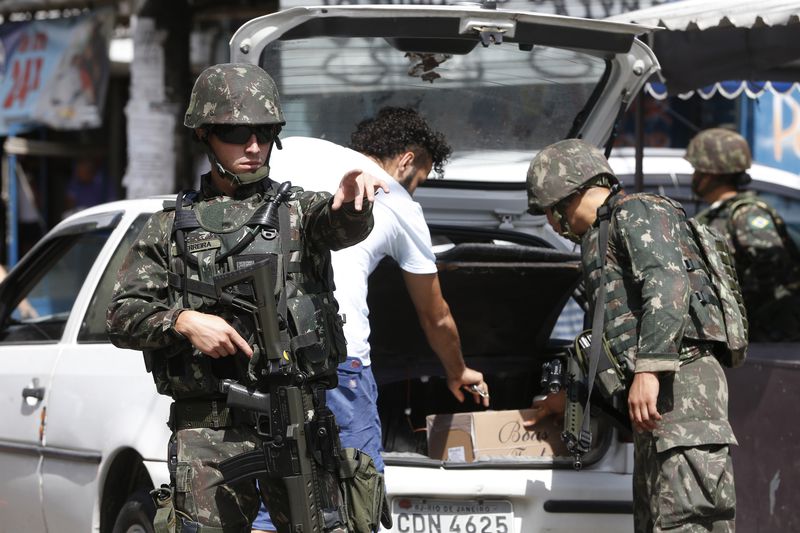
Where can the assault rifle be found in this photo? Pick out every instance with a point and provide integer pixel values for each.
(577, 442)
(259, 279)
(558, 374)
(571, 376)
(301, 448)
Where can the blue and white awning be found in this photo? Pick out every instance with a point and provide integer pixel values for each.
(705, 42)
(729, 89)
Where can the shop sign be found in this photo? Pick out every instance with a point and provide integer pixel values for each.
(54, 72)
(776, 119)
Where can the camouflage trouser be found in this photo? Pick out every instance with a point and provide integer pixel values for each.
(218, 508)
(683, 474)
(683, 489)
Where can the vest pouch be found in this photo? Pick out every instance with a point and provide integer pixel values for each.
(155, 361)
(310, 343)
(180, 374)
(365, 492)
(610, 381)
(335, 327)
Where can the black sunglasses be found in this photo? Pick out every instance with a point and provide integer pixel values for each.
(240, 133)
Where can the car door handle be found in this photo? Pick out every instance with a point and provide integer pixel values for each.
(33, 392)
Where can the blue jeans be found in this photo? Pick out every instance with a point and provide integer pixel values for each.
(355, 404)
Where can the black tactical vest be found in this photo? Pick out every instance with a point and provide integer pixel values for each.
(212, 238)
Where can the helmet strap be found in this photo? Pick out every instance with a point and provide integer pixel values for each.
(566, 231)
(563, 225)
(237, 179)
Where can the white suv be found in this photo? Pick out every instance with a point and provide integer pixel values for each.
(84, 433)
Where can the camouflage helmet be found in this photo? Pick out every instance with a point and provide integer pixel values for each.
(233, 93)
(561, 169)
(718, 151)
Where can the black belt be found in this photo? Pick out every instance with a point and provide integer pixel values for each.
(692, 351)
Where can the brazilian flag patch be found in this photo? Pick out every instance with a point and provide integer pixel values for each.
(759, 222)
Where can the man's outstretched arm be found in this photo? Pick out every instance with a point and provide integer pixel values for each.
(442, 334)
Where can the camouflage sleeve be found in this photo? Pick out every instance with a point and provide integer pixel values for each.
(333, 230)
(139, 315)
(755, 235)
(650, 232)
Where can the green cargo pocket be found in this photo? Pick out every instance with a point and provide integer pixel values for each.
(696, 484)
(365, 492)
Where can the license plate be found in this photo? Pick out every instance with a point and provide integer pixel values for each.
(419, 515)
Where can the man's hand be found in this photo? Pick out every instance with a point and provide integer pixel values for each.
(642, 401)
(552, 404)
(26, 310)
(355, 186)
(211, 334)
(466, 379)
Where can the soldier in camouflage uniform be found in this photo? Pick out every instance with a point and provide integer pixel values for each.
(659, 328)
(190, 341)
(767, 260)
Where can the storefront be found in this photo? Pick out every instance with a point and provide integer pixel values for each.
(57, 127)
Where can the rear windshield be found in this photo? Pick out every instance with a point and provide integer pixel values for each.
(491, 103)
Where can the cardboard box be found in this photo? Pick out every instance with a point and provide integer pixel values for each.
(464, 437)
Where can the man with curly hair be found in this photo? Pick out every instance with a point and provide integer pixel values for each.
(398, 146)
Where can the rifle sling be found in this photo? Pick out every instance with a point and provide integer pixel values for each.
(598, 320)
(286, 249)
(192, 285)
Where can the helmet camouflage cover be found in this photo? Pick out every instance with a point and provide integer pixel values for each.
(718, 151)
(233, 93)
(561, 169)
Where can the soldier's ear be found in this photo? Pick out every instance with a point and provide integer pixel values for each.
(201, 134)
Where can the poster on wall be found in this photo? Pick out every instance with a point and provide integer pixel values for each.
(150, 116)
(54, 72)
(776, 121)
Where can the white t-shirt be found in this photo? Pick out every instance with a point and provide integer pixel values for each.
(400, 231)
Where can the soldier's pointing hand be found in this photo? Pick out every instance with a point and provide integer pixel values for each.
(355, 186)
